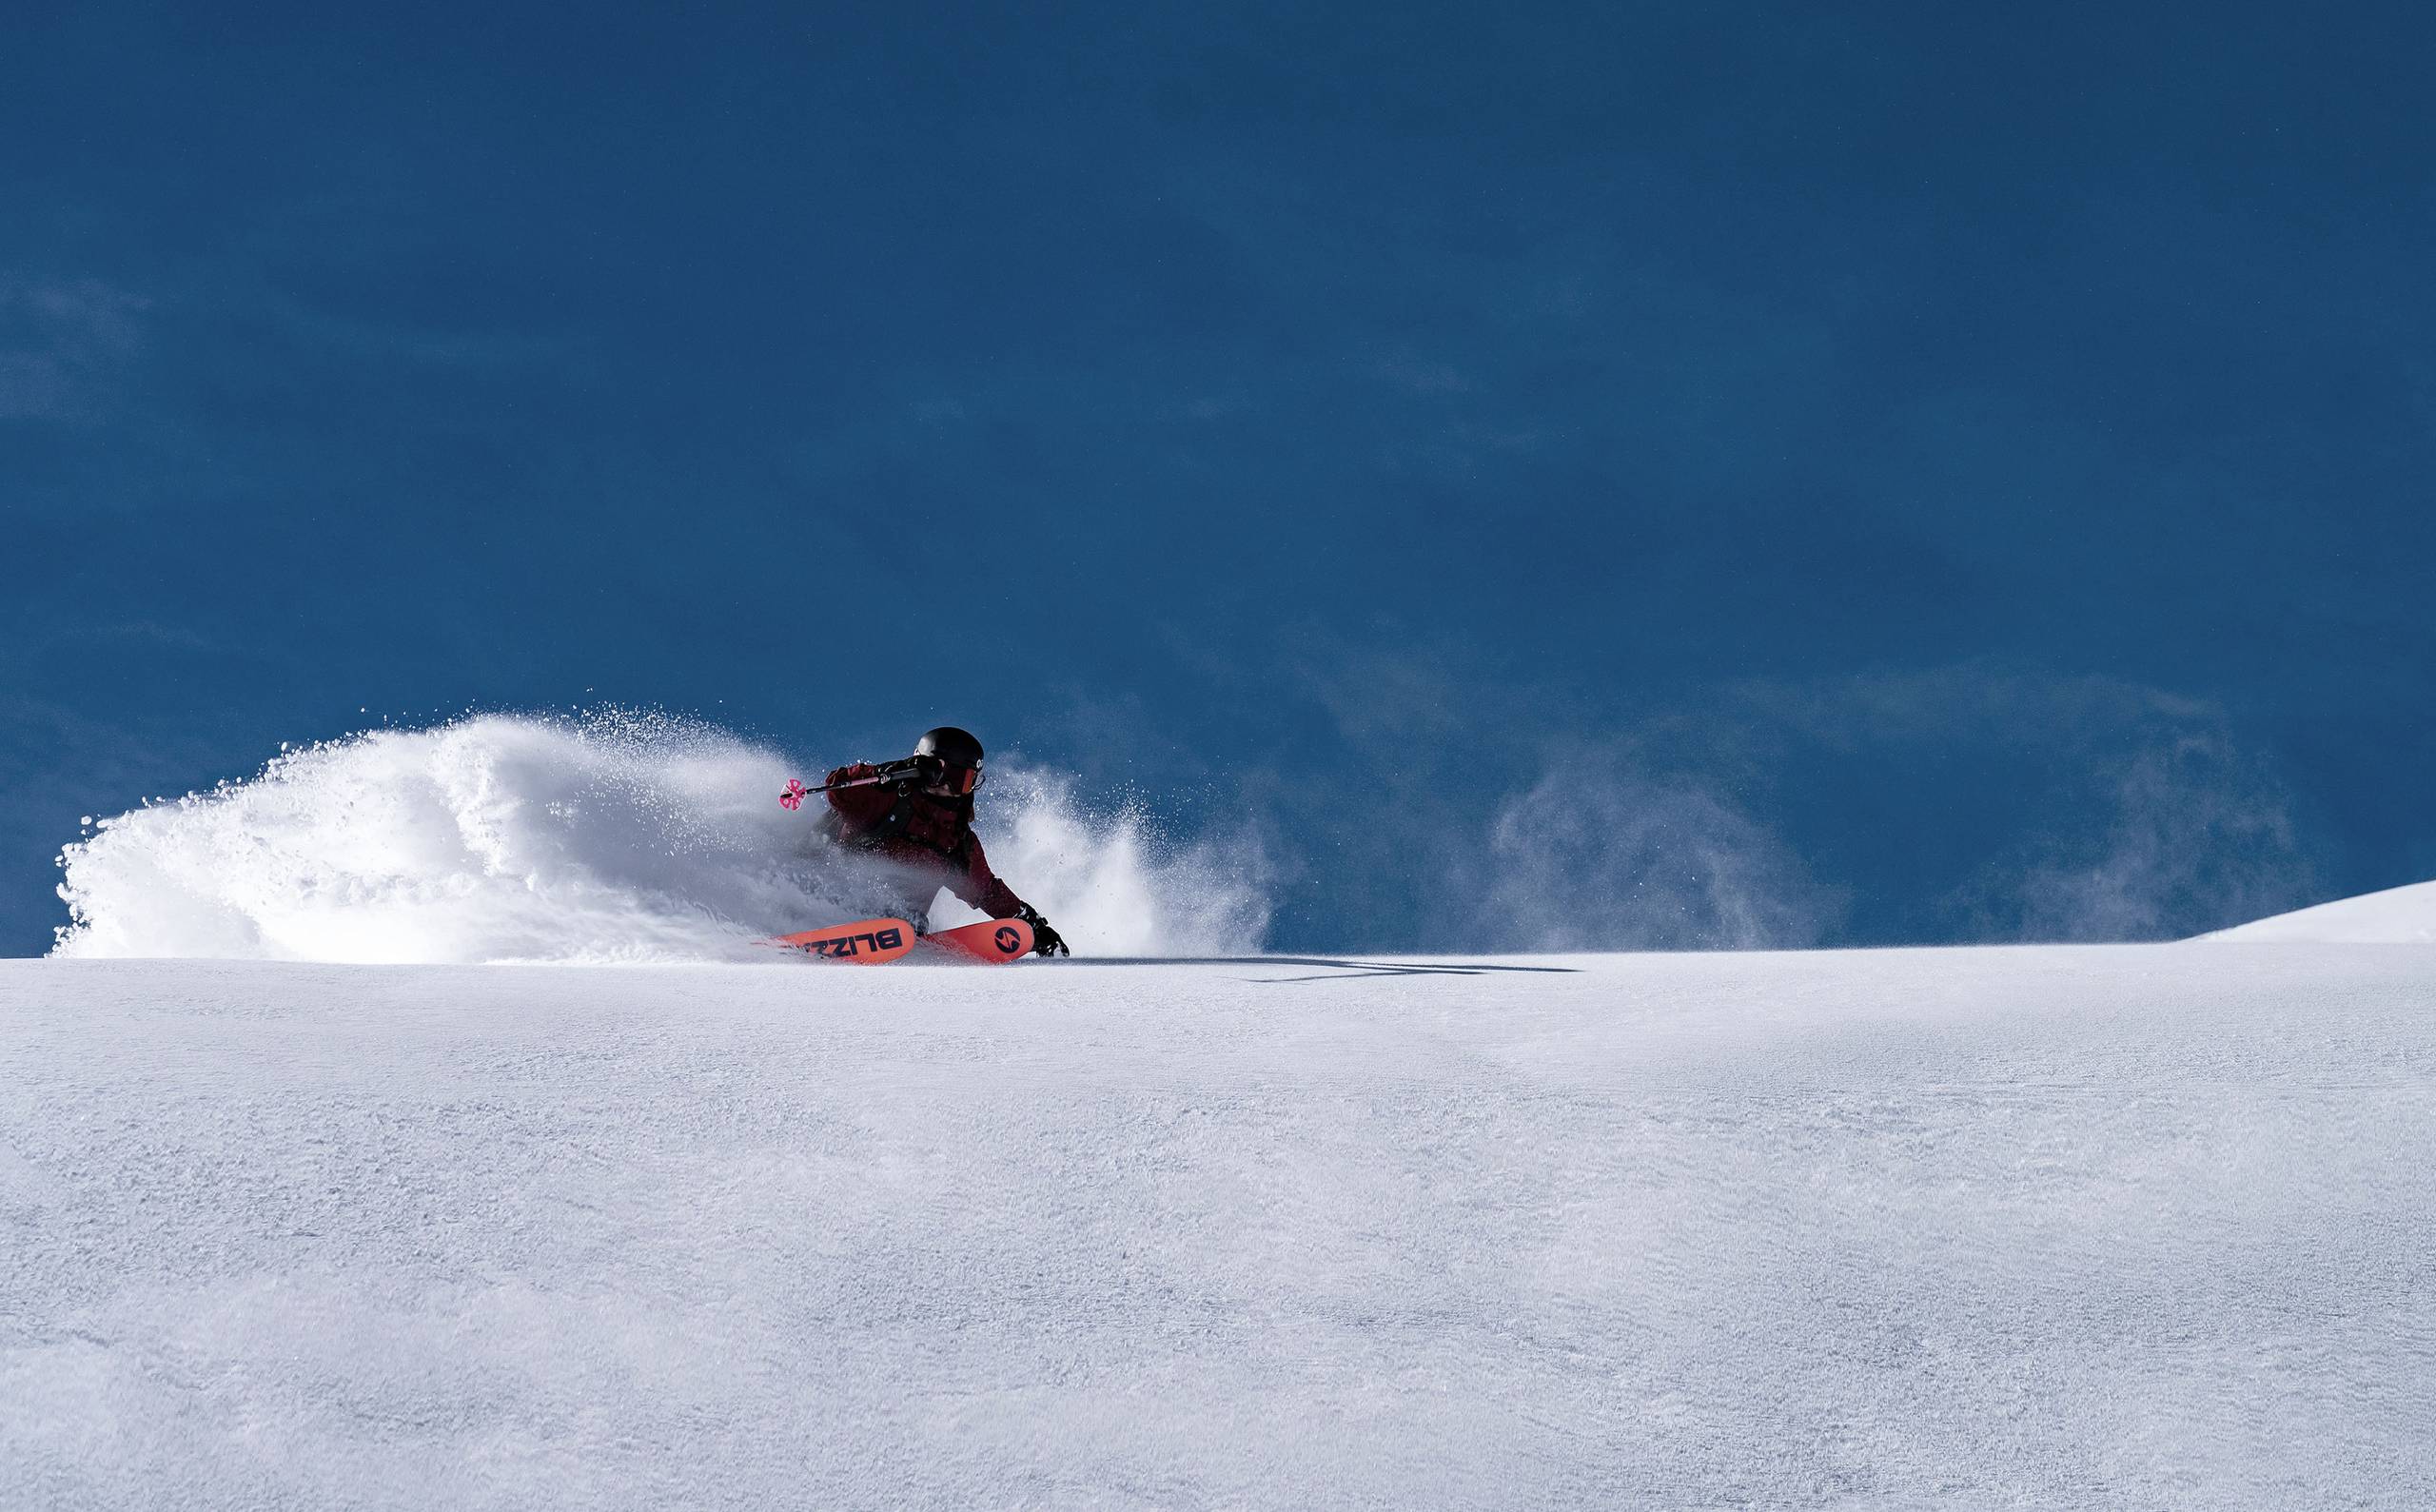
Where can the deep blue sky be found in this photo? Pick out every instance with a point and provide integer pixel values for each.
(1977, 463)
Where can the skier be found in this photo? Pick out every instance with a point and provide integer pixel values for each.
(921, 822)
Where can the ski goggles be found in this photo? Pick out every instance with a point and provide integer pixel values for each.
(953, 780)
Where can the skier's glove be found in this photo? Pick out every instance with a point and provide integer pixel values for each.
(856, 773)
(1045, 941)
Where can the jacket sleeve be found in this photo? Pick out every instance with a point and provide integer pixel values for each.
(980, 887)
(864, 805)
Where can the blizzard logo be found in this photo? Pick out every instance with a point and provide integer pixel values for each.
(1009, 941)
(846, 947)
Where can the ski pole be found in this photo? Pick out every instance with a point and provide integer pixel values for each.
(887, 771)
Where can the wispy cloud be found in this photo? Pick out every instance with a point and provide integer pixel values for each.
(2141, 813)
(2200, 838)
(1597, 855)
(1397, 688)
(1422, 375)
(1970, 699)
(61, 341)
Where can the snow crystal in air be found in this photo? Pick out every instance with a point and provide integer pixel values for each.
(619, 838)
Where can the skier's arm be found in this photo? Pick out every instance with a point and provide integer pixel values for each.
(980, 887)
(863, 805)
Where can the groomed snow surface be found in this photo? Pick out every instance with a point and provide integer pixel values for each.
(2129, 1227)
(2398, 915)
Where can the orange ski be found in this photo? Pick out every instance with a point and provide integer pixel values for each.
(994, 940)
(867, 942)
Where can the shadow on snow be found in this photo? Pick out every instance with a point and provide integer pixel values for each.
(1337, 969)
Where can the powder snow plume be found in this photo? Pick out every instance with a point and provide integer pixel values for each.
(618, 837)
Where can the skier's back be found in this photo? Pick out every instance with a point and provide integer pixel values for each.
(920, 823)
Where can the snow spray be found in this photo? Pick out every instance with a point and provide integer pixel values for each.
(617, 838)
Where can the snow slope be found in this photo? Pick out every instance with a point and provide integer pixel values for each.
(2398, 915)
(2060, 1228)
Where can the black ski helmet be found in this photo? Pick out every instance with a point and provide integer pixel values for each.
(955, 747)
(954, 758)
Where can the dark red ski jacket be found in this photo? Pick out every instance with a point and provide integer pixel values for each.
(923, 833)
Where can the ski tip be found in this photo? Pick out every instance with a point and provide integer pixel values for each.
(994, 942)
